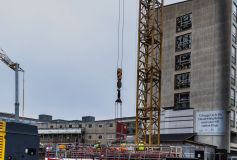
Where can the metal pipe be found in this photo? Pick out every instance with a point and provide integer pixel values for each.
(16, 94)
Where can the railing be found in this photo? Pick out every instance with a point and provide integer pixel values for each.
(59, 151)
(60, 128)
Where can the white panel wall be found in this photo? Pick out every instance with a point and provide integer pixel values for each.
(177, 121)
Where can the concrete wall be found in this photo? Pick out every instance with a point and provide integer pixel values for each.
(210, 59)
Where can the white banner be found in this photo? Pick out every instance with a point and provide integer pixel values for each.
(59, 131)
(210, 123)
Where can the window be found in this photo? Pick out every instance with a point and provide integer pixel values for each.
(236, 99)
(70, 126)
(89, 125)
(100, 126)
(234, 12)
(183, 42)
(110, 136)
(60, 126)
(100, 137)
(80, 126)
(232, 76)
(233, 54)
(89, 137)
(111, 125)
(182, 61)
(232, 118)
(236, 119)
(181, 100)
(184, 22)
(4, 120)
(232, 97)
(234, 34)
(51, 126)
(182, 81)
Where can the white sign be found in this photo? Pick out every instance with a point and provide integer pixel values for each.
(210, 123)
(59, 131)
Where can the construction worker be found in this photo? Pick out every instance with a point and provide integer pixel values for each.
(122, 146)
(141, 148)
(98, 146)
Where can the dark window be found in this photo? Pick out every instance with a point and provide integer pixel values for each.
(234, 34)
(181, 100)
(182, 61)
(111, 125)
(89, 137)
(70, 126)
(89, 125)
(182, 81)
(51, 126)
(232, 118)
(236, 119)
(236, 100)
(184, 22)
(133, 131)
(183, 42)
(232, 76)
(234, 12)
(60, 126)
(100, 136)
(80, 126)
(233, 54)
(232, 100)
(100, 126)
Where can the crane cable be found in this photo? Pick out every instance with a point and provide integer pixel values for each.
(119, 37)
(119, 70)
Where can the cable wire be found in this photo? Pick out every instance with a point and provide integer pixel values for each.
(122, 37)
(118, 34)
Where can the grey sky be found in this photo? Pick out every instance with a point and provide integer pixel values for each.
(68, 49)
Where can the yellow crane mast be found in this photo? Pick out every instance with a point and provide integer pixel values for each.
(148, 102)
(15, 66)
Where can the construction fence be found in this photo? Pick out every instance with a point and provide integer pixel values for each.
(58, 151)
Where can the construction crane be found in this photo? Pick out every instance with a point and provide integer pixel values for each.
(148, 102)
(15, 66)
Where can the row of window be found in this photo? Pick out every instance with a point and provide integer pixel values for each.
(233, 73)
(183, 42)
(80, 126)
(233, 60)
(100, 125)
(100, 136)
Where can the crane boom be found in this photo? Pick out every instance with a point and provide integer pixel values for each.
(5, 59)
(15, 66)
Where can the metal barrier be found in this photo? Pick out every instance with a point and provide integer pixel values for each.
(72, 152)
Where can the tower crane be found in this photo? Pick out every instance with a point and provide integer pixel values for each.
(14, 66)
(148, 102)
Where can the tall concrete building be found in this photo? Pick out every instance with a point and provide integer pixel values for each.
(199, 72)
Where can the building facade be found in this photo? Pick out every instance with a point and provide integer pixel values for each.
(199, 71)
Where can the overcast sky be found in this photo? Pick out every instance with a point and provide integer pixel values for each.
(68, 49)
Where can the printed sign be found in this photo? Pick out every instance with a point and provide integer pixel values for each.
(210, 123)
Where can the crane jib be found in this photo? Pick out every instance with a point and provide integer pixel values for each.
(8, 60)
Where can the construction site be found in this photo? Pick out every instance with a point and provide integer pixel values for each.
(186, 94)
